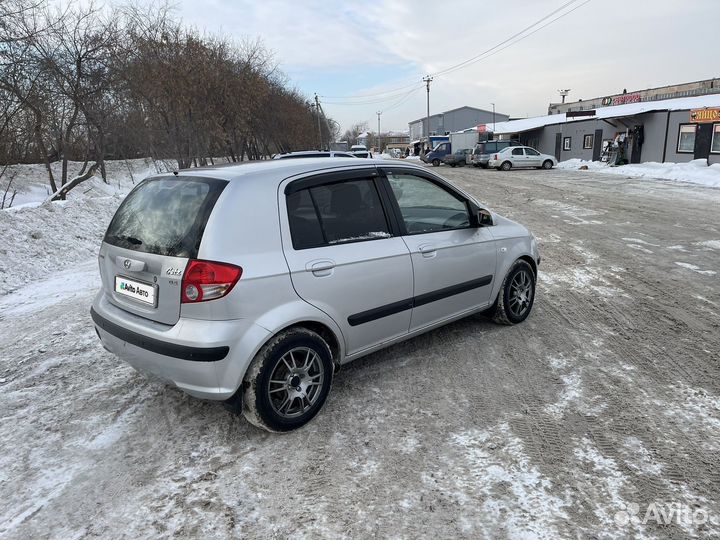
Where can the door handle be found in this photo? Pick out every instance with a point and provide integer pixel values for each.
(427, 250)
(320, 268)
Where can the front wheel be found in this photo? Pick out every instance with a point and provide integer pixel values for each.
(547, 164)
(516, 297)
(288, 381)
(435, 162)
(506, 166)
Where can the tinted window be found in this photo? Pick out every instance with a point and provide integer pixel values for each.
(426, 206)
(304, 225)
(531, 152)
(166, 216)
(517, 152)
(336, 213)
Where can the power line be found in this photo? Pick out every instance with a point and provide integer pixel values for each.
(377, 101)
(478, 57)
(495, 50)
(472, 60)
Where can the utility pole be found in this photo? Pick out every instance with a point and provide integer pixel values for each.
(493, 119)
(427, 81)
(317, 110)
(378, 141)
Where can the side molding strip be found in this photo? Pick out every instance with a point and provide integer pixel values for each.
(417, 301)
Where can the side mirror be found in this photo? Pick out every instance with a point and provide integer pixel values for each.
(480, 217)
(485, 218)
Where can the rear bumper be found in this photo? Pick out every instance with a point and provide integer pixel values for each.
(206, 359)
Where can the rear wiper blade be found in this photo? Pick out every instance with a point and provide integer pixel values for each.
(130, 239)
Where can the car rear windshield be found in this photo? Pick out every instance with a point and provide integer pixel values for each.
(165, 216)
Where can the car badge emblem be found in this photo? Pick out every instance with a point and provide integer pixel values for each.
(127, 264)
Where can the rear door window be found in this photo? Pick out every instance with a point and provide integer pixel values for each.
(165, 216)
(337, 213)
(517, 152)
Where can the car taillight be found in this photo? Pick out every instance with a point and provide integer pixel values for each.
(207, 280)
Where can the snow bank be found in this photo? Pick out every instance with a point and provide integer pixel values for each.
(696, 171)
(38, 240)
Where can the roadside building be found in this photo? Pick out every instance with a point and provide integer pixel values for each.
(661, 93)
(395, 140)
(453, 120)
(674, 130)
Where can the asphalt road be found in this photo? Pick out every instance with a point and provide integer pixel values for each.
(599, 417)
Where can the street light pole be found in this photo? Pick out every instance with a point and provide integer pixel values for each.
(317, 111)
(379, 140)
(427, 81)
(493, 119)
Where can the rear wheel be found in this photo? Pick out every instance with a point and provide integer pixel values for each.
(435, 162)
(517, 295)
(547, 164)
(288, 381)
(506, 166)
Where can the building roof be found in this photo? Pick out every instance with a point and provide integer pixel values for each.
(497, 113)
(617, 111)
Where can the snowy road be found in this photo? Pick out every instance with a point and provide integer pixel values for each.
(605, 398)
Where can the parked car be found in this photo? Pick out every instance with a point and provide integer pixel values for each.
(363, 154)
(521, 156)
(458, 158)
(484, 150)
(437, 154)
(312, 154)
(253, 283)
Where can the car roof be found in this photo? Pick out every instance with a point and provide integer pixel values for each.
(274, 171)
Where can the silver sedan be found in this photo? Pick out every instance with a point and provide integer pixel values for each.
(519, 157)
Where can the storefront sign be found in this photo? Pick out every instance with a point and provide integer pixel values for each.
(705, 115)
(621, 100)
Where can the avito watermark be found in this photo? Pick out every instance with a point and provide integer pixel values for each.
(666, 513)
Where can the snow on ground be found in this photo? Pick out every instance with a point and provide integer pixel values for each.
(42, 238)
(696, 171)
(606, 399)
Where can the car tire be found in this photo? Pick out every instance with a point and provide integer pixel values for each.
(506, 166)
(547, 164)
(296, 357)
(452, 165)
(435, 162)
(517, 295)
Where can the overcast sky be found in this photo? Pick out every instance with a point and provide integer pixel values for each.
(345, 49)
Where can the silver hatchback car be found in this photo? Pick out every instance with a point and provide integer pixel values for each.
(252, 284)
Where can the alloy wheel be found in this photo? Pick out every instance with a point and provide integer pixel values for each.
(296, 382)
(521, 292)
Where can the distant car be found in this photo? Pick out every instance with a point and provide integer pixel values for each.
(312, 154)
(457, 159)
(521, 156)
(363, 154)
(358, 147)
(484, 150)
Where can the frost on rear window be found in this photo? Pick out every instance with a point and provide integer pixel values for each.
(369, 236)
(165, 216)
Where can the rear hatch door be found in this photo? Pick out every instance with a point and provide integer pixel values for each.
(155, 232)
